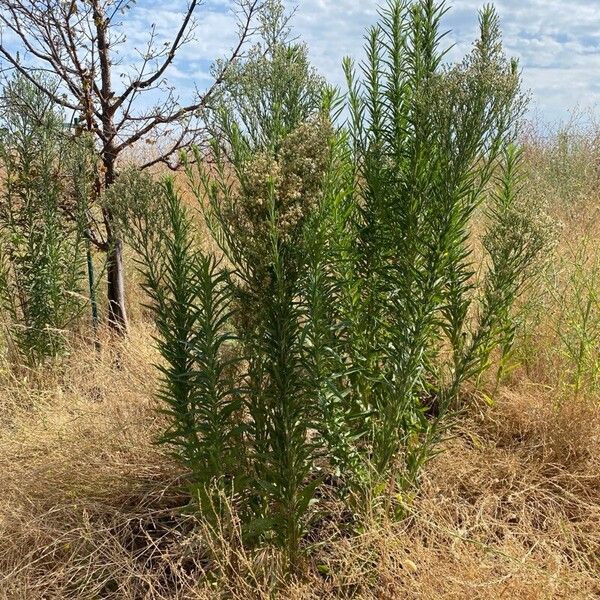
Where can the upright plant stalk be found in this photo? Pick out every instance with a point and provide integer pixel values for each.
(425, 140)
(85, 189)
(515, 241)
(92, 290)
(191, 299)
(270, 150)
(41, 229)
(261, 228)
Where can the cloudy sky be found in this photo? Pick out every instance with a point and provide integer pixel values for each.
(557, 42)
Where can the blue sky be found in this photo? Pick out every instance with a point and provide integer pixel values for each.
(557, 42)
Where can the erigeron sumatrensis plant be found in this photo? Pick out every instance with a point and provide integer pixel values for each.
(191, 298)
(343, 320)
(46, 176)
(261, 220)
(425, 142)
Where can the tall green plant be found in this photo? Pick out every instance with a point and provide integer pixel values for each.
(517, 237)
(260, 222)
(191, 298)
(425, 140)
(42, 221)
(271, 153)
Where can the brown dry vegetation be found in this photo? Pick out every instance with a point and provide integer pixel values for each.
(90, 508)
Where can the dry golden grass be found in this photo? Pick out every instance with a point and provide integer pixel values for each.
(90, 507)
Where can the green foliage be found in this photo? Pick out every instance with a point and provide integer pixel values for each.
(190, 296)
(272, 89)
(271, 153)
(259, 220)
(46, 179)
(424, 141)
(517, 237)
(345, 319)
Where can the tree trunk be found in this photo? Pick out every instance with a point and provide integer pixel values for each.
(115, 269)
(117, 313)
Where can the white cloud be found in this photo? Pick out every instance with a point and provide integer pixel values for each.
(557, 42)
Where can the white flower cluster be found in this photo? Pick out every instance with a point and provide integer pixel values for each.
(279, 191)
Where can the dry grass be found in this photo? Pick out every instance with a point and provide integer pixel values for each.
(91, 507)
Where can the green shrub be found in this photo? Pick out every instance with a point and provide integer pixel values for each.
(338, 331)
(190, 296)
(42, 221)
(424, 141)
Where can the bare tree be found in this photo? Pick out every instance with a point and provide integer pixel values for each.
(81, 43)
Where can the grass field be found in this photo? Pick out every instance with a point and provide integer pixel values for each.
(90, 507)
